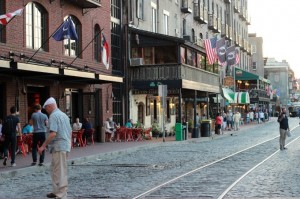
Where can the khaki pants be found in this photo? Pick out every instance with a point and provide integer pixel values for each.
(282, 138)
(59, 174)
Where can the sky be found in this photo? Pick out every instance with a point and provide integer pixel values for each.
(278, 23)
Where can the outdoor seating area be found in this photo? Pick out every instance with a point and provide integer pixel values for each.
(123, 134)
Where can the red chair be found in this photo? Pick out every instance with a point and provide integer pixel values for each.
(147, 134)
(20, 144)
(137, 134)
(79, 137)
(121, 134)
(129, 135)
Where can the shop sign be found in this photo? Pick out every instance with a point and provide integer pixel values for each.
(228, 81)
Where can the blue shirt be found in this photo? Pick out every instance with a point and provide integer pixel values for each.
(27, 129)
(128, 125)
(59, 122)
(39, 122)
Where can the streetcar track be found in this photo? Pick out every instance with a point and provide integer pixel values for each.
(212, 163)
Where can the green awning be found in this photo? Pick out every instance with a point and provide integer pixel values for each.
(242, 98)
(244, 75)
(228, 94)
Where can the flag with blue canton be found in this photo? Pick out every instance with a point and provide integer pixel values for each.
(66, 31)
(210, 47)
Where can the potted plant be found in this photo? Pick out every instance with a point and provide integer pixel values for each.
(156, 131)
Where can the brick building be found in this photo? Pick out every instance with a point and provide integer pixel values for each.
(34, 66)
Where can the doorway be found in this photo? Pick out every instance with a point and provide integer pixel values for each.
(35, 95)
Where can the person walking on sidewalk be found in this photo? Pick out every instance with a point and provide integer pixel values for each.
(60, 144)
(283, 128)
(10, 125)
(40, 122)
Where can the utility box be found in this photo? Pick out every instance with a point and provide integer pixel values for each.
(178, 132)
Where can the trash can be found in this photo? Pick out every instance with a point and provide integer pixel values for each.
(195, 133)
(185, 130)
(205, 128)
(178, 132)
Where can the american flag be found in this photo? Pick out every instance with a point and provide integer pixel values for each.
(210, 46)
(4, 19)
(237, 55)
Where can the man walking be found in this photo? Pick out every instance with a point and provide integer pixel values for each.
(10, 125)
(40, 121)
(60, 139)
(283, 128)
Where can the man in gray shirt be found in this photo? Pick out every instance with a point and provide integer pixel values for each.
(40, 122)
(60, 139)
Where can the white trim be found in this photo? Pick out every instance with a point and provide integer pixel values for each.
(37, 68)
(4, 64)
(76, 73)
(165, 12)
(110, 78)
(153, 5)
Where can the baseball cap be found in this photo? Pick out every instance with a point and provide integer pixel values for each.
(50, 100)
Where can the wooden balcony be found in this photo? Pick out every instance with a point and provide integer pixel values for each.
(213, 23)
(185, 7)
(187, 75)
(86, 3)
(199, 13)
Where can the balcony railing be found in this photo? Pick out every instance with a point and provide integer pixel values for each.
(258, 93)
(87, 3)
(199, 13)
(213, 22)
(185, 7)
(173, 72)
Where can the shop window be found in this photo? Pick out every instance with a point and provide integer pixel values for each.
(200, 61)
(191, 57)
(182, 55)
(148, 55)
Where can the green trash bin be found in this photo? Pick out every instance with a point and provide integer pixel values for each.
(178, 132)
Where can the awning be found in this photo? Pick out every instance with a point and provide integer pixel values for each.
(236, 97)
(228, 94)
(241, 98)
(244, 75)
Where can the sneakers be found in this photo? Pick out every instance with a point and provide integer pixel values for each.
(51, 195)
(33, 164)
(13, 164)
(41, 164)
(5, 160)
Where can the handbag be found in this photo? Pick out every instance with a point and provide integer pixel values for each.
(288, 133)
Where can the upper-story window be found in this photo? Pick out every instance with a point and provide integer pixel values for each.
(184, 27)
(97, 43)
(253, 48)
(154, 17)
(140, 9)
(166, 22)
(72, 47)
(36, 30)
(253, 65)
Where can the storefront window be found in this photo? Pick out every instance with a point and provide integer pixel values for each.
(148, 55)
(182, 55)
(191, 57)
(200, 61)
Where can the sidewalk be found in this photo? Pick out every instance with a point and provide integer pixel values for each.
(91, 151)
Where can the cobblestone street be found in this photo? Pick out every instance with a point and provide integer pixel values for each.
(129, 173)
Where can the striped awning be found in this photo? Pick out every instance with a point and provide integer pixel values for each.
(228, 94)
(241, 98)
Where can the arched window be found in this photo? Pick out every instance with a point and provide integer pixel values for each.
(97, 43)
(72, 47)
(36, 30)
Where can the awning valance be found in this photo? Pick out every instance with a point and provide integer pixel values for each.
(244, 75)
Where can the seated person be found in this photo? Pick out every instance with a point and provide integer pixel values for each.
(129, 124)
(27, 129)
(87, 126)
(110, 128)
(76, 125)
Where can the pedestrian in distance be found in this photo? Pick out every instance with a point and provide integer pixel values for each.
(283, 128)
(11, 126)
(60, 145)
(40, 122)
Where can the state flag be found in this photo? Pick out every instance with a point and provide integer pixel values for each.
(66, 31)
(230, 55)
(105, 52)
(221, 50)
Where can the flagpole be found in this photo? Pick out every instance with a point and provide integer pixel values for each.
(86, 47)
(45, 41)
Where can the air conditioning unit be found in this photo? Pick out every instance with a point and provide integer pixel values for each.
(136, 61)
